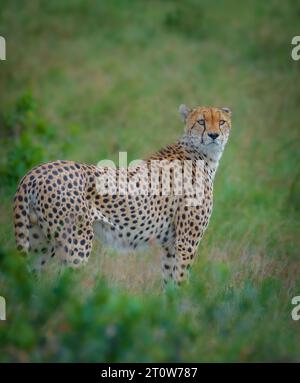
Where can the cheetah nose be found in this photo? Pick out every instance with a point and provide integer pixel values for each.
(213, 135)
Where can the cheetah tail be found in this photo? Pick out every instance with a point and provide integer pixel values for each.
(21, 219)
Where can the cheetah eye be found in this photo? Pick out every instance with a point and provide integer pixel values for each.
(222, 122)
(201, 121)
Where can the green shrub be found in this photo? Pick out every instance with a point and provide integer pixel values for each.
(29, 138)
(208, 320)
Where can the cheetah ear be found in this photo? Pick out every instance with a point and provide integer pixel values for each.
(227, 110)
(184, 112)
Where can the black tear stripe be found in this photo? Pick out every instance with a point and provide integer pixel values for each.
(204, 129)
(192, 128)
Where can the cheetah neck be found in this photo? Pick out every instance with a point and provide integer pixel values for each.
(211, 157)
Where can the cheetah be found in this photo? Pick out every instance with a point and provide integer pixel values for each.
(60, 206)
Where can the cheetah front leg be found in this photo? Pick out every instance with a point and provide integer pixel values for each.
(184, 257)
(188, 235)
(168, 260)
(177, 260)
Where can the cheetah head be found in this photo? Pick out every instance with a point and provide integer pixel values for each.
(207, 128)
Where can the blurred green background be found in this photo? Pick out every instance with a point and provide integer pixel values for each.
(86, 79)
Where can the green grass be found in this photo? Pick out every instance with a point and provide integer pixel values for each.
(107, 77)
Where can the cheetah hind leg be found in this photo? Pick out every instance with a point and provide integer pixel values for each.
(42, 261)
(40, 246)
(75, 246)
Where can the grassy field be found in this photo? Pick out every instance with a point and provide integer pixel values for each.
(84, 80)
